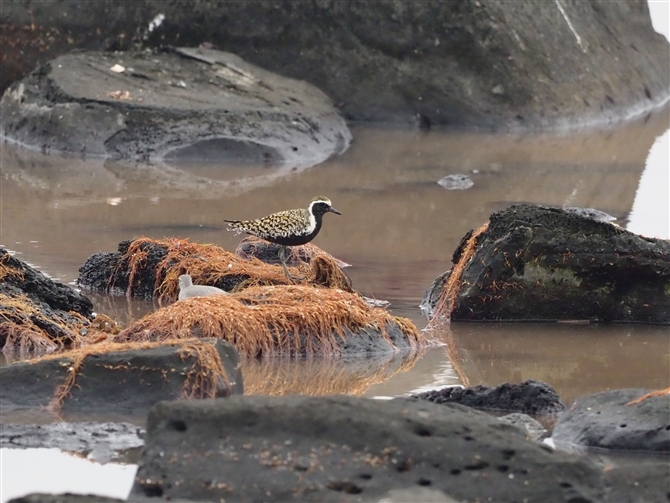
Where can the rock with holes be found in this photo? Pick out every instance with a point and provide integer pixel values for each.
(36, 312)
(341, 448)
(609, 420)
(535, 262)
(125, 379)
(176, 105)
(531, 397)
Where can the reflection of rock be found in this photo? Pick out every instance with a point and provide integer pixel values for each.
(539, 263)
(167, 104)
(323, 376)
(484, 63)
(608, 420)
(531, 397)
(338, 449)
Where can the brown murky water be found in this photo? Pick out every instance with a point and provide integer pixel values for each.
(398, 229)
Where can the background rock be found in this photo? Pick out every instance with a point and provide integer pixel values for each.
(486, 64)
(177, 105)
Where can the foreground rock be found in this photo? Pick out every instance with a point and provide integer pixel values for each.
(172, 104)
(538, 263)
(608, 420)
(484, 64)
(531, 397)
(121, 378)
(344, 449)
(38, 313)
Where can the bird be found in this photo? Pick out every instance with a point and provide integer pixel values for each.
(187, 289)
(287, 228)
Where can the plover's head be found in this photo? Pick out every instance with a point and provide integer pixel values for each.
(321, 205)
(185, 281)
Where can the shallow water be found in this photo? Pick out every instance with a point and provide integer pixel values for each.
(398, 229)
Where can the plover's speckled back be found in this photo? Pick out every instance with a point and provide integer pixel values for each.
(287, 228)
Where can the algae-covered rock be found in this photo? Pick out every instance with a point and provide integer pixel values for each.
(539, 263)
(36, 312)
(282, 320)
(123, 378)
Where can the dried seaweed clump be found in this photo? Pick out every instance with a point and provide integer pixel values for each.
(447, 299)
(203, 380)
(25, 328)
(272, 320)
(212, 265)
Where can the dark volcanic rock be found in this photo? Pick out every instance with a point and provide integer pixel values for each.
(642, 481)
(604, 420)
(532, 428)
(127, 380)
(175, 105)
(65, 498)
(263, 448)
(531, 397)
(36, 312)
(39, 288)
(485, 64)
(540, 263)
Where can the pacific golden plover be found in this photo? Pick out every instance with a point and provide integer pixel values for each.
(287, 228)
(187, 289)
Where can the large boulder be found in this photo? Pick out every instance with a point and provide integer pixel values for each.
(341, 448)
(615, 420)
(172, 105)
(485, 63)
(539, 263)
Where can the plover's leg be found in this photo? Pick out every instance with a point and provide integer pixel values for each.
(282, 258)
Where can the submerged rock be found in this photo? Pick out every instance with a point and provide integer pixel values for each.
(456, 182)
(342, 448)
(172, 105)
(531, 397)
(487, 63)
(609, 420)
(539, 263)
(37, 312)
(125, 379)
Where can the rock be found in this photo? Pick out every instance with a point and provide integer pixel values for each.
(72, 437)
(253, 247)
(172, 105)
(40, 288)
(456, 182)
(531, 397)
(65, 498)
(343, 448)
(283, 320)
(124, 379)
(38, 314)
(533, 429)
(416, 494)
(425, 63)
(605, 420)
(640, 481)
(539, 263)
(149, 268)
